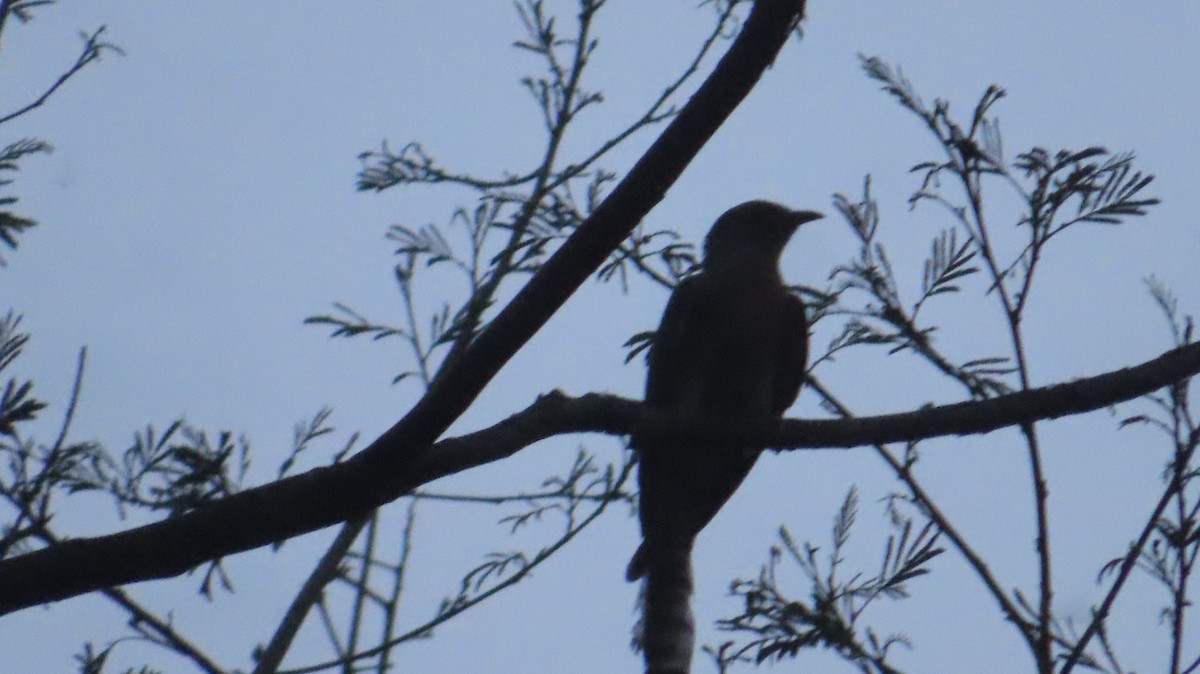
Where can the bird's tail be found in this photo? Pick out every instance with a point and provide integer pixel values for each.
(666, 633)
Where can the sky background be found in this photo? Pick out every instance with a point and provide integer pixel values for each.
(200, 204)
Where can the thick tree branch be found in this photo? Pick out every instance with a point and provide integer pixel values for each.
(163, 549)
(395, 463)
(763, 35)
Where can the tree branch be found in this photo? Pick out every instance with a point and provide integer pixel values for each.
(404, 456)
(171, 547)
(763, 35)
(556, 413)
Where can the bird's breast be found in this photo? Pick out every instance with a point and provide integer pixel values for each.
(733, 346)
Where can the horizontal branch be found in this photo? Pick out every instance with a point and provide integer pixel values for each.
(557, 414)
(172, 547)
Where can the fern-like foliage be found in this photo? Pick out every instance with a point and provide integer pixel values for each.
(947, 263)
(779, 626)
(11, 224)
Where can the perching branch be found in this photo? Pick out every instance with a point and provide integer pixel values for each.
(291, 506)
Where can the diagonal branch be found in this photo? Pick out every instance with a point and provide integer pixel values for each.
(401, 458)
(763, 35)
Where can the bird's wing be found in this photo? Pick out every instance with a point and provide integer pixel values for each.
(668, 356)
(793, 354)
(667, 381)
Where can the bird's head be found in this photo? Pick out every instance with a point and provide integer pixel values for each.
(753, 233)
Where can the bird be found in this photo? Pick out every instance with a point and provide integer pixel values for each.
(732, 343)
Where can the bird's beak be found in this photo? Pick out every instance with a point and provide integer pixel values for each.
(801, 217)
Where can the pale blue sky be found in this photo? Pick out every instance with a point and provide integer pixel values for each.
(201, 203)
